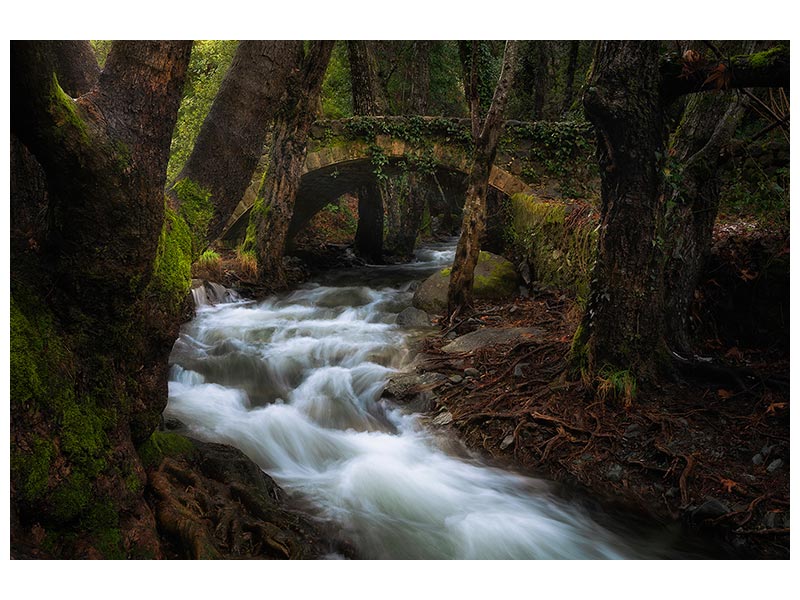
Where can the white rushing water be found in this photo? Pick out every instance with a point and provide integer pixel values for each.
(295, 382)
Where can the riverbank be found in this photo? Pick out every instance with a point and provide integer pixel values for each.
(700, 451)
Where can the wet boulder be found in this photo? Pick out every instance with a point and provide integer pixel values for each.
(413, 317)
(495, 279)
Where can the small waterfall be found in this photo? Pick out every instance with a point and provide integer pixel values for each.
(209, 293)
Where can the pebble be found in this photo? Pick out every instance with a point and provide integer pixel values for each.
(710, 509)
(507, 441)
(758, 459)
(774, 465)
(633, 430)
(443, 418)
(614, 473)
(472, 372)
(456, 378)
(519, 370)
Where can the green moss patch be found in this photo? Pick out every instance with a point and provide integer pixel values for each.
(559, 241)
(172, 270)
(162, 444)
(196, 209)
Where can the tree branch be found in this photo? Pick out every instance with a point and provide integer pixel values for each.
(763, 69)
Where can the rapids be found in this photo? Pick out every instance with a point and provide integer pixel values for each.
(295, 382)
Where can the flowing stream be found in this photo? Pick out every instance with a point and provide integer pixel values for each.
(295, 382)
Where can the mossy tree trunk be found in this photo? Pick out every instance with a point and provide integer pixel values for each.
(634, 295)
(89, 358)
(459, 293)
(232, 138)
(367, 101)
(274, 205)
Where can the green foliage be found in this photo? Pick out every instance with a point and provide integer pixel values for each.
(616, 384)
(162, 444)
(172, 270)
(446, 88)
(559, 245)
(207, 67)
(563, 148)
(750, 191)
(336, 94)
(209, 258)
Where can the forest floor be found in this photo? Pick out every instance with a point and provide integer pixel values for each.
(709, 449)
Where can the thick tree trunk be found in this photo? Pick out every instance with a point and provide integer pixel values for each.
(367, 96)
(232, 138)
(90, 373)
(623, 325)
(367, 101)
(105, 157)
(632, 302)
(274, 205)
(459, 292)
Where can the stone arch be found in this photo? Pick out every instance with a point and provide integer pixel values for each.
(330, 172)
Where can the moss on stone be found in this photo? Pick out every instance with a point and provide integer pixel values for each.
(559, 245)
(162, 444)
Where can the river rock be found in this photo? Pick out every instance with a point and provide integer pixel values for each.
(489, 336)
(472, 372)
(413, 317)
(775, 465)
(495, 279)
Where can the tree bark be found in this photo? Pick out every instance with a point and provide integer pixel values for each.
(274, 205)
(459, 292)
(367, 101)
(623, 325)
(95, 379)
(696, 154)
(231, 140)
(76, 66)
(104, 154)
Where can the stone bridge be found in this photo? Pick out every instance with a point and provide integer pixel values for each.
(542, 158)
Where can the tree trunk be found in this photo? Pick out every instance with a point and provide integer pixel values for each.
(76, 66)
(274, 205)
(459, 292)
(367, 97)
(89, 377)
(231, 140)
(367, 101)
(572, 64)
(623, 325)
(696, 155)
